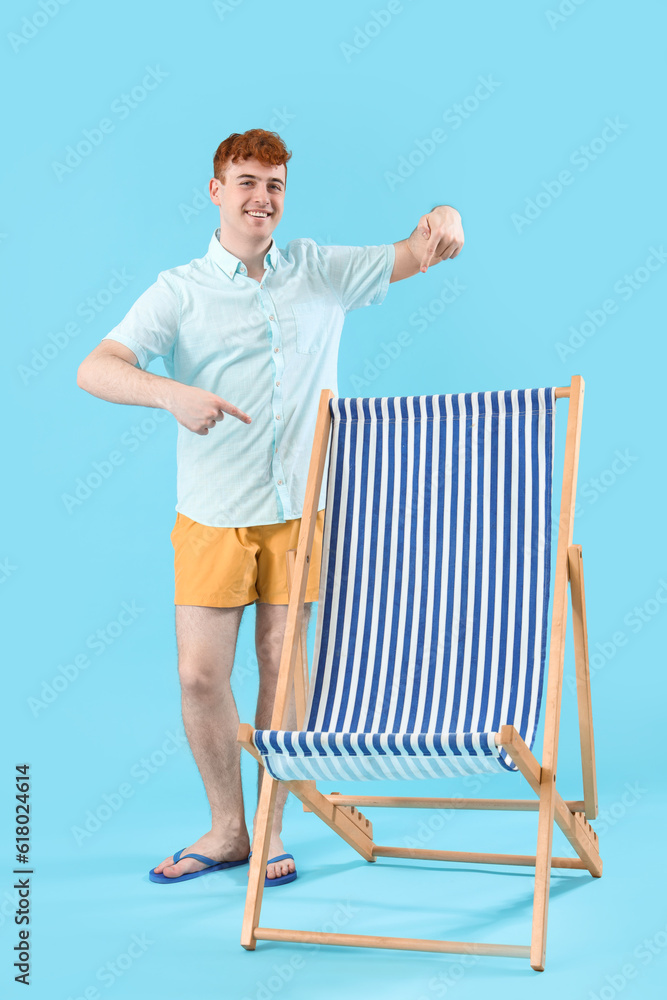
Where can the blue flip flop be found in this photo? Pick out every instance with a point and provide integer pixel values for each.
(282, 879)
(213, 866)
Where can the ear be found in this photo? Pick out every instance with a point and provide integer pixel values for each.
(213, 189)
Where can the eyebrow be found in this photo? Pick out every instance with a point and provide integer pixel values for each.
(254, 178)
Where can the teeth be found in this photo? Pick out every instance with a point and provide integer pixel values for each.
(259, 215)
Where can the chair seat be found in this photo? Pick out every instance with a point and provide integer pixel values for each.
(291, 755)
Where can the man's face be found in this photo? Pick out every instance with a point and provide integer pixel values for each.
(251, 199)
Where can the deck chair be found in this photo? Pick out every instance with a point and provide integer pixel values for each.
(431, 640)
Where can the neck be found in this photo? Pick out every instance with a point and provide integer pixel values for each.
(251, 251)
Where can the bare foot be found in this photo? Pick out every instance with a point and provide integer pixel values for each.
(279, 867)
(232, 847)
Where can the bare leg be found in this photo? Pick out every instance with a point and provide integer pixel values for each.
(269, 635)
(206, 640)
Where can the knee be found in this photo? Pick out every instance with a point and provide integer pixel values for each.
(199, 679)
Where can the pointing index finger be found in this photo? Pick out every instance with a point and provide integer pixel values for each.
(233, 411)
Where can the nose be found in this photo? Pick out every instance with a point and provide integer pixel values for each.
(262, 197)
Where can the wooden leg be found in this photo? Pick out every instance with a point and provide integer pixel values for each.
(580, 633)
(260, 856)
(545, 828)
(552, 808)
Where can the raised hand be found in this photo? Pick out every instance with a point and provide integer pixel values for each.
(438, 236)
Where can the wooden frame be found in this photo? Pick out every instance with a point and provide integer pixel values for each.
(341, 813)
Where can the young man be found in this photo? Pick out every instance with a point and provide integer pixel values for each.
(261, 326)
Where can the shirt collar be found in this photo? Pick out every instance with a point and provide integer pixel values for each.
(231, 264)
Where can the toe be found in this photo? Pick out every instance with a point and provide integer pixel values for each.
(173, 871)
(280, 868)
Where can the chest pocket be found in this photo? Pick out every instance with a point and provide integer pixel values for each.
(310, 326)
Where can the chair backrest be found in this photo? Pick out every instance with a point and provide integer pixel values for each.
(436, 569)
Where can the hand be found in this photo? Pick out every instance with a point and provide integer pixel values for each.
(438, 236)
(199, 410)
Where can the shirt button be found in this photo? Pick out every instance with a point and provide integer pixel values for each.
(271, 317)
(277, 416)
(276, 349)
(280, 482)
(277, 383)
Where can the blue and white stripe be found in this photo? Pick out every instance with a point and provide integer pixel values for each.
(434, 587)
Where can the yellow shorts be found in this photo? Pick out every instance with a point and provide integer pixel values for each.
(233, 567)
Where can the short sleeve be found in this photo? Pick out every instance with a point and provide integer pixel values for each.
(358, 275)
(151, 326)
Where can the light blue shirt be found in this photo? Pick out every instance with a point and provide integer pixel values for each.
(269, 348)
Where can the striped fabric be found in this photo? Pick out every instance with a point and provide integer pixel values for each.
(434, 588)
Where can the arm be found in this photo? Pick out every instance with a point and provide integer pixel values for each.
(437, 236)
(110, 372)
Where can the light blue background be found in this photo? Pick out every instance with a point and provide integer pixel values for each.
(349, 119)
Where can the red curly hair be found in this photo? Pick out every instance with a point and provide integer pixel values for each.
(267, 147)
